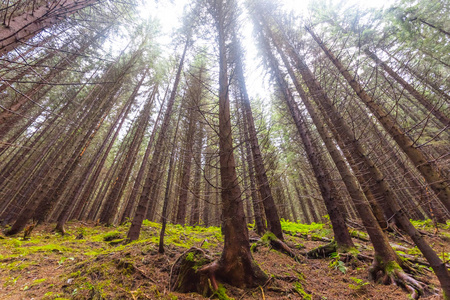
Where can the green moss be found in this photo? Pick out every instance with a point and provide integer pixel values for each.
(359, 234)
(414, 251)
(18, 265)
(110, 236)
(221, 294)
(74, 274)
(39, 280)
(190, 256)
(428, 223)
(359, 283)
(11, 281)
(268, 236)
(391, 266)
(299, 289)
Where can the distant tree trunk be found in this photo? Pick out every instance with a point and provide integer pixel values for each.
(195, 212)
(384, 253)
(424, 78)
(256, 203)
(243, 142)
(112, 201)
(144, 201)
(305, 214)
(168, 188)
(137, 184)
(290, 200)
(10, 116)
(207, 209)
(346, 174)
(77, 201)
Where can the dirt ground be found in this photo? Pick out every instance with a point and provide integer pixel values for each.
(90, 262)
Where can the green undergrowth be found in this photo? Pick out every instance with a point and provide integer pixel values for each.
(292, 228)
(428, 224)
(92, 262)
(221, 294)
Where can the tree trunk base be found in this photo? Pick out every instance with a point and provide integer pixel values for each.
(59, 229)
(392, 273)
(196, 271)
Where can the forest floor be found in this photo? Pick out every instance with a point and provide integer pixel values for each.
(90, 262)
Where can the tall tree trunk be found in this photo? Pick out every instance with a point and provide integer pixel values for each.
(236, 265)
(112, 201)
(273, 220)
(341, 233)
(195, 212)
(168, 188)
(429, 172)
(256, 203)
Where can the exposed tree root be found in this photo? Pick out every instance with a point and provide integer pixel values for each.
(271, 240)
(322, 251)
(392, 273)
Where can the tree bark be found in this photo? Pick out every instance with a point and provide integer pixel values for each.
(273, 219)
(24, 27)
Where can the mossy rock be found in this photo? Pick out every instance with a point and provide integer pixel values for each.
(185, 277)
(110, 236)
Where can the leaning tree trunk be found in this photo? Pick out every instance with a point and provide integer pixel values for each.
(112, 201)
(256, 203)
(445, 120)
(75, 203)
(358, 196)
(23, 27)
(137, 184)
(168, 188)
(367, 165)
(429, 172)
(324, 180)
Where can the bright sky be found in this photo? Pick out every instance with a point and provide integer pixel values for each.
(169, 14)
